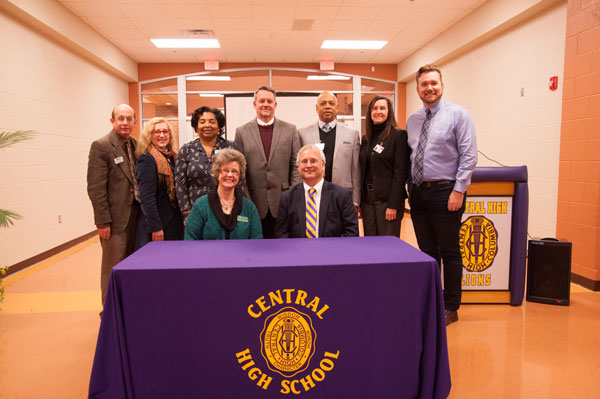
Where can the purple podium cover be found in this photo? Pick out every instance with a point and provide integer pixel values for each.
(290, 318)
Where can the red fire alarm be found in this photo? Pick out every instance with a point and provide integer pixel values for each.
(553, 83)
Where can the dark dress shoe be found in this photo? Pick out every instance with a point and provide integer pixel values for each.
(451, 317)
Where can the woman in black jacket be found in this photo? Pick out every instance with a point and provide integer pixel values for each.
(161, 218)
(384, 164)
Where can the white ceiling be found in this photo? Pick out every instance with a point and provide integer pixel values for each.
(262, 30)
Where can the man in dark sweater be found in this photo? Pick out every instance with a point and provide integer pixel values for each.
(270, 146)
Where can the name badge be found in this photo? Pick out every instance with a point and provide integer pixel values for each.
(378, 148)
(118, 160)
(320, 146)
(243, 219)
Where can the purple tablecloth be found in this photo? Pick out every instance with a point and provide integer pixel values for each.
(186, 319)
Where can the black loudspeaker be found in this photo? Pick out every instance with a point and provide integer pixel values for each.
(549, 271)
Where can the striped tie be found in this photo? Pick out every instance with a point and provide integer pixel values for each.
(311, 214)
(418, 167)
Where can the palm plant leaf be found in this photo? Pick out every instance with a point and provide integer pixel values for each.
(7, 218)
(11, 138)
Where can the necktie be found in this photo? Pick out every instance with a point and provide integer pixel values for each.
(311, 214)
(418, 169)
(326, 127)
(136, 192)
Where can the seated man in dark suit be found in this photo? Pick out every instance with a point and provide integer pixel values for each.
(315, 208)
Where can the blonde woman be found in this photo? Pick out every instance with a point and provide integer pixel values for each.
(161, 217)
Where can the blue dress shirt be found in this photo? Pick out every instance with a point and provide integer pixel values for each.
(451, 150)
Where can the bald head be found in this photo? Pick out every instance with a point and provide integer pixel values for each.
(121, 107)
(123, 120)
(327, 107)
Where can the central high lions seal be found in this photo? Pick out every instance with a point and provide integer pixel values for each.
(288, 341)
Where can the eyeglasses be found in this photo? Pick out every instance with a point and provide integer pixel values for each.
(310, 161)
(125, 118)
(227, 171)
(159, 132)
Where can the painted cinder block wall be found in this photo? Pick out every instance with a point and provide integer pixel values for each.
(578, 211)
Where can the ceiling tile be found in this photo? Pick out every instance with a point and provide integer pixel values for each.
(228, 12)
(316, 12)
(348, 25)
(233, 23)
(283, 24)
(185, 23)
(271, 11)
(357, 13)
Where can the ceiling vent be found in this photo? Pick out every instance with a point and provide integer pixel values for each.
(199, 33)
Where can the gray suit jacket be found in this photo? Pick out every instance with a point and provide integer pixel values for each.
(109, 182)
(346, 169)
(267, 180)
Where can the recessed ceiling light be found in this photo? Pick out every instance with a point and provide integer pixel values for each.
(208, 77)
(186, 43)
(327, 77)
(354, 44)
(210, 95)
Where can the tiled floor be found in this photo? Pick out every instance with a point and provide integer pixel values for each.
(49, 324)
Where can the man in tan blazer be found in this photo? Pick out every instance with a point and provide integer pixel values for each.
(112, 189)
(341, 145)
(270, 146)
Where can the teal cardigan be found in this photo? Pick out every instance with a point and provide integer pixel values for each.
(202, 224)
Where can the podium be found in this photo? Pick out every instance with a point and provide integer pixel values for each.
(493, 236)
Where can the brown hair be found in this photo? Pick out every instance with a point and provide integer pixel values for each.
(389, 124)
(267, 88)
(428, 68)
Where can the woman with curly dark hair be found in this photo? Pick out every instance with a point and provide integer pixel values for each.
(193, 171)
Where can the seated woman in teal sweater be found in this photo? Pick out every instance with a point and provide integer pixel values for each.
(223, 213)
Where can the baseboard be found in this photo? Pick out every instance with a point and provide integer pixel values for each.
(585, 282)
(49, 253)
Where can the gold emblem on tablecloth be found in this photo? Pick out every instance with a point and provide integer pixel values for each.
(288, 341)
(478, 243)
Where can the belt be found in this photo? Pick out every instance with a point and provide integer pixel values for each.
(434, 184)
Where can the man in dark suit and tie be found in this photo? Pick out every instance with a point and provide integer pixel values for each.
(113, 191)
(270, 146)
(315, 208)
(340, 143)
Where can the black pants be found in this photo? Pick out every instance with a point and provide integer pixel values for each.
(437, 231)
(373, 216)
(268, 225)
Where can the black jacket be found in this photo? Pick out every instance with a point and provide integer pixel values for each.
(389, 168)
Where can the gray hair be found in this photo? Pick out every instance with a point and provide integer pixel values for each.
(313, 147)
(225, 156)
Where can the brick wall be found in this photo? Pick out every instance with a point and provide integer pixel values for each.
(578, 212)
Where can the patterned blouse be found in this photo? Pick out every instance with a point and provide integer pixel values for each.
(192, 172)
